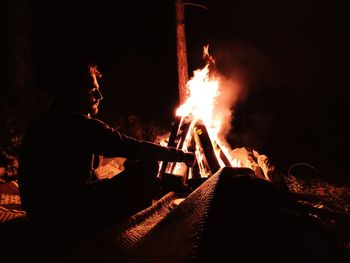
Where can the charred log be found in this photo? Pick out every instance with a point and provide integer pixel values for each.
(202, 139)
(171, 142)
(222, 155)
(179, 141)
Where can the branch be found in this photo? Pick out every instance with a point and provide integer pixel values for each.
(197, 5)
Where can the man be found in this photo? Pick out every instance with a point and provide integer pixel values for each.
(59, 154)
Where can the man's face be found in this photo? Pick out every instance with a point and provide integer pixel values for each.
(89, 96)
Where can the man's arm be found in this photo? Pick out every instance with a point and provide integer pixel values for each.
(109, 142)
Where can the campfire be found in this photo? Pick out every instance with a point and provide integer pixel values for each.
(200, 126)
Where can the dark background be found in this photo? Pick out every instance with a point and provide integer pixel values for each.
(285, 54)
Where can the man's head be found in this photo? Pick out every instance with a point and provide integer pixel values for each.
(78, 88)
(88, 96)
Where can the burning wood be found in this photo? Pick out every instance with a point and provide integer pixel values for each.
(177, 138)
(197, 127)
(171, 142)
(194, 136)
(205, 149)
(260, 164)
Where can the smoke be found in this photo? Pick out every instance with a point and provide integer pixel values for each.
(230, 90)
(243, 62)
(243, 71)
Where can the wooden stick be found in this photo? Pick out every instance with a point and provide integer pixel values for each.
(171, 142)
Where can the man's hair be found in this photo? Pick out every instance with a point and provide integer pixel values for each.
(94, 71)
(70, 75)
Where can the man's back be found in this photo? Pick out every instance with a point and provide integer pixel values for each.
(55, 158)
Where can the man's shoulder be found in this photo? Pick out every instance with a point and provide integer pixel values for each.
(102, 124)
(56, 119)
(66, 121)
(78, 115)
(90, 121)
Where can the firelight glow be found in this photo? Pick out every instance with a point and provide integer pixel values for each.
(203, 93)
(201, 101)
(202, 123)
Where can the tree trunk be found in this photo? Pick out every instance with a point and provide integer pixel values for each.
(182, 66)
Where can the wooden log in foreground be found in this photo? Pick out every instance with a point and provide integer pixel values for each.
(235, 216)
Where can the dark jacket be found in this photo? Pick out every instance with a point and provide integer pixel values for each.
(57, 155)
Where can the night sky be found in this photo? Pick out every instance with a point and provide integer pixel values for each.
(284, 53)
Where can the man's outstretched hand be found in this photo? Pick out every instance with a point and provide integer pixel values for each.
(189, 159)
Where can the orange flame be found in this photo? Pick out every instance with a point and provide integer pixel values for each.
(204, 92)
(201, 104)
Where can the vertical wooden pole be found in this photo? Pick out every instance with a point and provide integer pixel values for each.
(182, 67)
